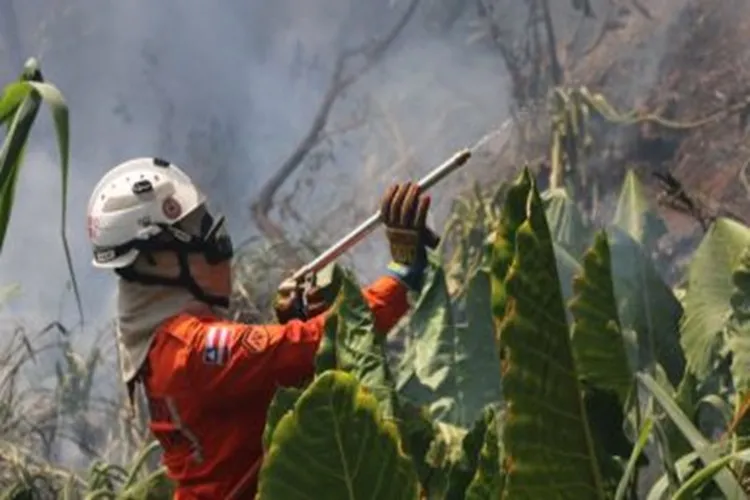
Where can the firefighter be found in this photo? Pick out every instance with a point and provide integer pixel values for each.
(208, 380)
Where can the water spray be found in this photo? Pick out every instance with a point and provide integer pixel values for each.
(456, 161)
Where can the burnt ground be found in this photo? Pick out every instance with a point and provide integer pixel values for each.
(704, 69)
(683, 60)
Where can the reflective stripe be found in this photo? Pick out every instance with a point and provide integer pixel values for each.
(177, 422)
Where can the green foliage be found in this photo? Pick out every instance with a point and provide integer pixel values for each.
(634, 215)
(489, 480)
(728, 484)
(19, 105)
(709, 290)
(647, 306)
(598, 343)
(542, 411)
(542, 344)
(355, 452)
(540, 380)
(353, 345)
(566, 223)
(448, 365)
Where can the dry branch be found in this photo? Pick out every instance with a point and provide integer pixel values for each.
(555, 68)
(343, 76)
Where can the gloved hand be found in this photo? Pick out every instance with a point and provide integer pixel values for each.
(404, 214)
(288, 303)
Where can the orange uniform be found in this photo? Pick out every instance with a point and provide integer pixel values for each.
(209, 383)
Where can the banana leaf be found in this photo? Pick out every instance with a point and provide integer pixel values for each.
(634, 214)
(452, 367)
(546, 437)
(707, 301)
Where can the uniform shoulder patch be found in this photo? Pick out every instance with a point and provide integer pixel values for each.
(216, 345)
(255, 339)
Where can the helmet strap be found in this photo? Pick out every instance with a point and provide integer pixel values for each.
(184, 280)
(211, 244)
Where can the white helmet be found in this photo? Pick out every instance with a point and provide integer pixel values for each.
(134, 202)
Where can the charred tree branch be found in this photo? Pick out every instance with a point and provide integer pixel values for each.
(555, 68)
(341, 78)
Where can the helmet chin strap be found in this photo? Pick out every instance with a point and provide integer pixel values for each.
(215, 247)
(184, 280)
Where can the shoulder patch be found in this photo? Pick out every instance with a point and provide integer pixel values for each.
(255, 339)
(216, 349)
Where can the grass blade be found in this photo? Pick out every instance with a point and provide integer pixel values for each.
(637, 449)
(726, 481)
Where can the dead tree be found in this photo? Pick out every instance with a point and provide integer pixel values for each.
(531, 56)
(345, 73)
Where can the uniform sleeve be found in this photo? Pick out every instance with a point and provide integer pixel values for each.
(261, 357)
(387, 298)
(256, 357)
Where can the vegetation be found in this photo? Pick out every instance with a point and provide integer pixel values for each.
(548, 355)
(545, 411)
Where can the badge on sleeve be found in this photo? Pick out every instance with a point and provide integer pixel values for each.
(255, 339)
(216, 347)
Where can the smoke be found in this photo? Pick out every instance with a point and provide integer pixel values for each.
(226, 90)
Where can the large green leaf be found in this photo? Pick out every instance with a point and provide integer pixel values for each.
(598, 345)
(12, 96)
(568, 267)
(489, 480)
(335, 444)
(11, 157)
(600, 353)
(570, 236)
(546, 437)
(634, 214)
(464, 469)
(420, 436)
(281, 404)
(566, 223)
(451, 366)
(503, 239)
(738, 337)
(352, 344)
(19, 105)
(707, 301)
(646, 305)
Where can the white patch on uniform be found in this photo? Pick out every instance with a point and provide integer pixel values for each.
(223, 345)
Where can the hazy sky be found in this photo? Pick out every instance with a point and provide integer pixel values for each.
(149, 78)
(226, 89)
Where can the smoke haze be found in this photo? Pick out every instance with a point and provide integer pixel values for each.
(226, 90)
